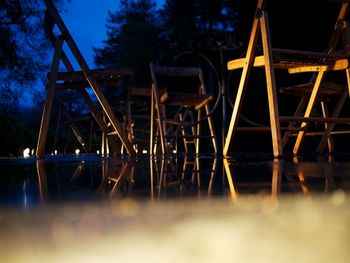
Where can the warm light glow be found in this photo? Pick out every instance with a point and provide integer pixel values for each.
(77, 151)
(26, 152)
(32, 152)
(55, 152)
(174, 151)
(144, 151)
(98, 151)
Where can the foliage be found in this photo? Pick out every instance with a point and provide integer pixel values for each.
(133, 38)
(23, 47)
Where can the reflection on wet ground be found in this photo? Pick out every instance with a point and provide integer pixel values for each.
(26, 182)
(177, 209)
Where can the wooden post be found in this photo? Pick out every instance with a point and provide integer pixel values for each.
(45, 120)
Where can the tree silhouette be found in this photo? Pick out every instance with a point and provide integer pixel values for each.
(133, 38)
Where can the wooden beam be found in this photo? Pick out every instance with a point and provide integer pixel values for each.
(45, 119)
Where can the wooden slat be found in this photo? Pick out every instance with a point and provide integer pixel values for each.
(315, 120)
(340, 64)
(326, 89)
(239, 63)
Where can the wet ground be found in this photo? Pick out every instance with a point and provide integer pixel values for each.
(178, 209)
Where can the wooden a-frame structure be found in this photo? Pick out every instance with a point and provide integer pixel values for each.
(83, 77)
(273, 59)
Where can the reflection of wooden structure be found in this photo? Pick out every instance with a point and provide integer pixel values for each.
(294, 61)
(183, 105)
(168, 173)
(80, 80)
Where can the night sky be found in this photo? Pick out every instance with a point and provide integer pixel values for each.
(86, 20)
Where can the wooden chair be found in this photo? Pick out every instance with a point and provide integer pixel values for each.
(295, 61)
(178, 94)
(79, 80)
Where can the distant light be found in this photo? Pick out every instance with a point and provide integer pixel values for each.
(77, 151)
(98, 151)
(55, 152)
(32, 152)
(174, 151)
(26, 152)
(83, 144)
(144, 151)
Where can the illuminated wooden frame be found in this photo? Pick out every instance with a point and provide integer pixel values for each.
(328, 61)
(89, 75)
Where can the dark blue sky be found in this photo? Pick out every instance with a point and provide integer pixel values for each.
(86, 20)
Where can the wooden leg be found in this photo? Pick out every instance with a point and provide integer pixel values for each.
(45, 119)
(242, 84)
(183, 132)
(309, 108)
(197, 132)
(291, 125)
(271, 87)
(211, 129)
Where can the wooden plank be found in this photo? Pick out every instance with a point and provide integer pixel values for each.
(340, 64)
(45, 119)
(271, 87)
(240, 62)
(249, 62)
